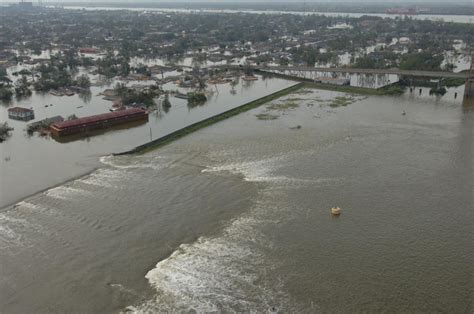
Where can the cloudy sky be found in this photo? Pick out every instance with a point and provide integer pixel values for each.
(270, 1)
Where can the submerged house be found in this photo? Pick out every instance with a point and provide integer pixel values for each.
(19, 113)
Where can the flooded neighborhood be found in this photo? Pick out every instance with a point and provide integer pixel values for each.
(232, 157)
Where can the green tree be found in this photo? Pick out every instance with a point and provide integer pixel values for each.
(83, 81)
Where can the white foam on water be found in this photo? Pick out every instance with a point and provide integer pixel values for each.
(136, 162)
(263, 171)
(103, 178)
(230, 272)
(221, 274)
(11, 230)
(25, 205)
(65, 192)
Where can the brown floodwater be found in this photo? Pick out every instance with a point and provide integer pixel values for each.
(236, 217)
(29, 164)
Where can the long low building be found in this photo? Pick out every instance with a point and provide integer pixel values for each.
(100, 121)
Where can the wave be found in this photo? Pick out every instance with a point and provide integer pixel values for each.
(232, 272)
(264, 171)
(136, 162)
(65, 192)
(12, 230)
(108, 178)
(221, 274)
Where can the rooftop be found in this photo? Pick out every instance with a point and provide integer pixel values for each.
(97, 118)
(19, 109)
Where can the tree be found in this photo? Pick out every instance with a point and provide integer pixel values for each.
(22, 87)
(421, 61)
(83, 81)
(5, 93)
(166, 102)
(4, 131)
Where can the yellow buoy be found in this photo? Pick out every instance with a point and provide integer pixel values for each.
(336, 211)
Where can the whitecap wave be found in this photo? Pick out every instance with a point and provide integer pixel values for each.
(221, 274)
(11, 230)
(103, 178)
(25, 205)
(136, 162)
(264, 171)
(65, 192)
(232, 272)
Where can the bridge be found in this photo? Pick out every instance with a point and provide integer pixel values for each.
(395, 71)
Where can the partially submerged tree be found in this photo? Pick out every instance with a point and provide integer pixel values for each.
(166, 102)
(4, 131)
(83, 81)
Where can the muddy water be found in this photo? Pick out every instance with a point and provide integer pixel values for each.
(236, 217)
(31, 163)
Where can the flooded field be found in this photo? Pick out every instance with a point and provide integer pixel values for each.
(236, 217)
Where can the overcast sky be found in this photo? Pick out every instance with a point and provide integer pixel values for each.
(280, 1)
(252, 1)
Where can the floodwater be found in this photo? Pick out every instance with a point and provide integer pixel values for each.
(29, 164)
(236, 217)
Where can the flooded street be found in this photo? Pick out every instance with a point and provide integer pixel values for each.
(236, 217)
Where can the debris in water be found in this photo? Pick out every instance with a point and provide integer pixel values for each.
(296, 127)
(336, 211)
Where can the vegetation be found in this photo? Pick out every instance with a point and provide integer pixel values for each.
(421, 61)
(83, 81)
(196, 98)
(4, 131)
(166, 102)
(22, 87)
(266, 116)
(283, 106)
(438, 91)
(393, 89)
(341, 101)
(453, 82)
(6, 93)
(112, 65)
(53, 76)
(137, 97)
